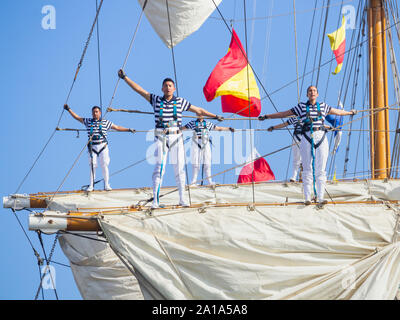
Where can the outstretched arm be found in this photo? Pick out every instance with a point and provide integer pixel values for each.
(224, 129)
(121, 128)
(73, 114)
(134, 85)
(278, 126)
(202, 112)
(341, 112)
(277, 115)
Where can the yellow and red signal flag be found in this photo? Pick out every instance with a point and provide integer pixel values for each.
(338, 45)
(230, 80)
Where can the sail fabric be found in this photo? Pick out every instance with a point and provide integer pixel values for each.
(274, 252)
(181, 253)
(337, 40)
(267, 192)
(185, 17)
(258, 170)
(99, 274)
(233, 79)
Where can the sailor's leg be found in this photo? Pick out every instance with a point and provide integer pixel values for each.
(195, 154)
(92, 166)
(305, 151)
(161, 154)
(104, 158)
(178, 161)
(321, 157)
(296, 160)
(207, 162)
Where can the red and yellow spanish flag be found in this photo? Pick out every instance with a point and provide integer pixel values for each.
(338, 45)
(230, 80)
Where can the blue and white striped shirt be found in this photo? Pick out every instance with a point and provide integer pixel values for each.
(297, 127)
(198, 126)
(97, 128)
(301, 111)
(168, 110)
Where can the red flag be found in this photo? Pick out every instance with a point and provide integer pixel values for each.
(259, 169)
(232, 79)
(338, 45)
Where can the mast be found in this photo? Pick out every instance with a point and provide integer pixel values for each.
(379, 120)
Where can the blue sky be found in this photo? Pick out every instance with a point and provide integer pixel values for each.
(38, 67)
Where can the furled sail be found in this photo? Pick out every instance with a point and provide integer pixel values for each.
(222, 247)
(342, 252)
(185, 17)
(98, 272)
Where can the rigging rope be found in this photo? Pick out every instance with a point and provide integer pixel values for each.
(47, 265)
(99, 62)
(177, 92)
(48, 262)
(308, 49)
(297, 56)
(248, 92)
(322, 42)
(66, 101)
(127, 55)
(249, 65)
(314, 9)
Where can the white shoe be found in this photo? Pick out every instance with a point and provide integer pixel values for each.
(89, 189)
(107, 188)
(155, 206)
(184, 204)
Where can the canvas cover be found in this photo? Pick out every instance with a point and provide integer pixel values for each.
(293, 252)
(185, 17)
(229, 249)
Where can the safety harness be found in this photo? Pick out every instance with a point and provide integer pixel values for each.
(307, 125)
(163, 137)
(298, 129)
(171, 123)
(95, 139)
(204, 134)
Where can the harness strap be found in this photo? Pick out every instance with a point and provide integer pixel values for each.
(174, 113)
(311, 140)
(90, 147)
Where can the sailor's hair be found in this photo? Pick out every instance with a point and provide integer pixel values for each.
(96, 107)
(312, 86)
(168, 79)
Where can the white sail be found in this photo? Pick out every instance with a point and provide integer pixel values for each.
(185, 17)
(98, 272)
(294, 252)
(223, 249)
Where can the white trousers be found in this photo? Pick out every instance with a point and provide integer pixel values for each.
(201, 154)
(296, 162)
(169, 144)
(104, 159)
(320, 159)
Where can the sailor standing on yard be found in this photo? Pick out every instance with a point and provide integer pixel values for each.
(201, 146)
(98, 145)
(314, 148)
(296, 162)
(168, 136)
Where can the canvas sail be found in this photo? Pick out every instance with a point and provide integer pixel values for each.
(340, 252)
(185, 17)
(225, 248)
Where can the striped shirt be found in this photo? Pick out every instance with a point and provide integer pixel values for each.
(97, 128)
(199, 126)
(297, 127)
(168, 110)
(301, 111)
